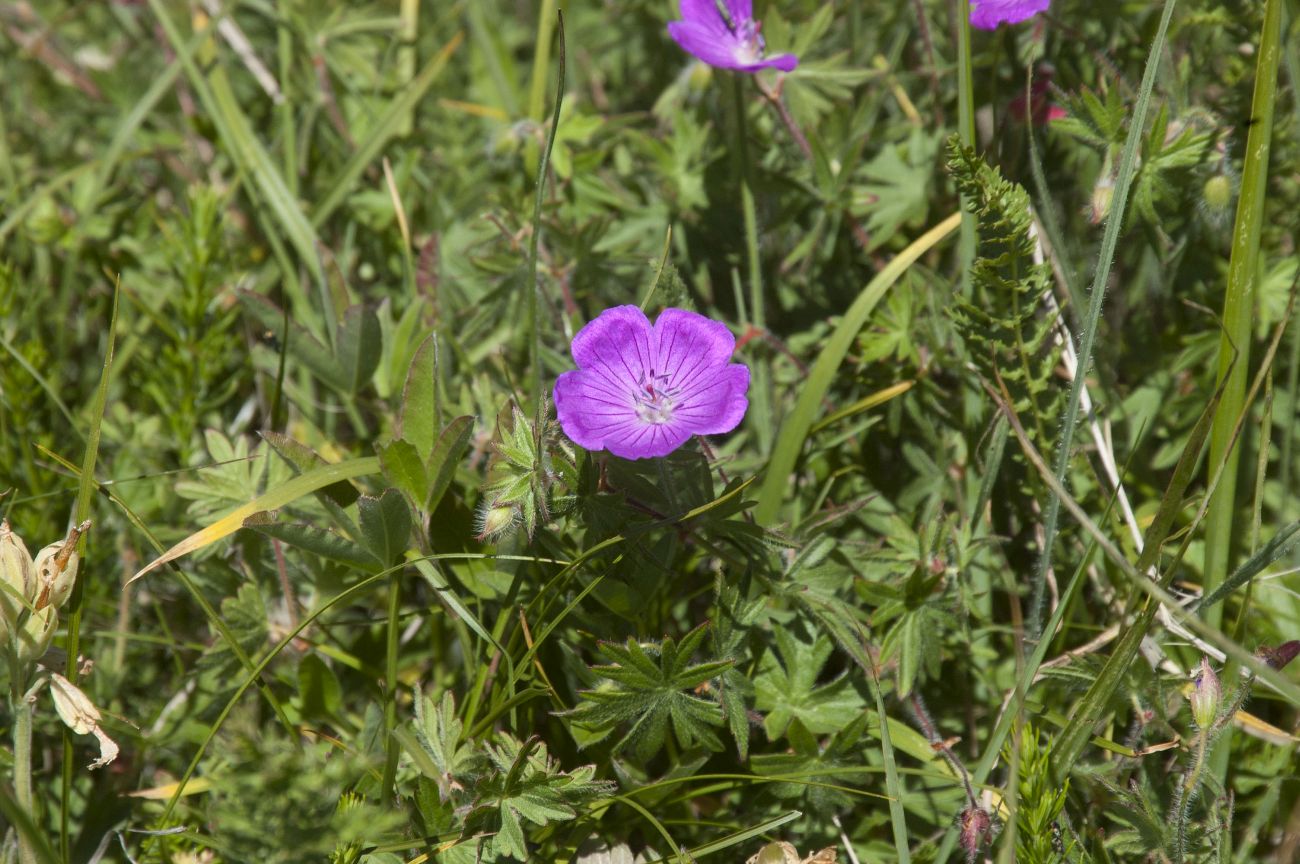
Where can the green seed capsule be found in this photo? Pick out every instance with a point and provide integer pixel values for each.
(35, 635)
(17, 578)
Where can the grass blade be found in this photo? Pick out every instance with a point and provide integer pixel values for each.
(1238, 307)
(303, 484)
(794, 431)
(1110, 239)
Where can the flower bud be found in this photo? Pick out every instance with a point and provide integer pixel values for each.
(976, 828)
(17, 578)
(56, 569)
(1205, 696)
(779, 852)
(1102, 196)
(35, 635)
(496, 520)
(1217, 194)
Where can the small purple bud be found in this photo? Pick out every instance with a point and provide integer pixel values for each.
(1281, 655)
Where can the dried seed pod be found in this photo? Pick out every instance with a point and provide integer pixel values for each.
(56, 569)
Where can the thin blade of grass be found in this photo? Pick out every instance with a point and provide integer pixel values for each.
(85, 492)
(388, 126)
(738, 837)
(1238, 307)
(795, 430)
(1101, 278)
(236, 133)
(534, 315)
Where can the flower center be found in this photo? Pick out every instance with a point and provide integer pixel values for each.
(655, 399)
(750, 47)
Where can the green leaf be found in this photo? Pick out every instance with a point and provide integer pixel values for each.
(318, 541)
(528, 785)
(1280, 545)
(794, 431)
(445, 459)
(319, 692)
(896, 193)
(360, 345)
(787, 689)
(404, 468)
(417, 422)
(304, 459)
(385, 525)
(652, 691)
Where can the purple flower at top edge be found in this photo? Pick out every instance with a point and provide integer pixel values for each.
(642, 390)
(988, 14)
(728, 42)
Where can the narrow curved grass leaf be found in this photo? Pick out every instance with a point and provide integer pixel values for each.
(303, 484)
(795, 429)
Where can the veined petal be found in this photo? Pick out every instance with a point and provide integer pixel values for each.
(988, 14)
(618, 344)
(740, 10)
(690, 347)
(715, 49)
(784, 62)
(589, 410)
(705, 15)
(717, 403)
(646, 440)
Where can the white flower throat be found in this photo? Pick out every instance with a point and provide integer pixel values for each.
(655, 398)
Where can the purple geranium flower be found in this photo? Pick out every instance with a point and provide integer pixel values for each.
(988, 14)
(730, 41)
(642, 390)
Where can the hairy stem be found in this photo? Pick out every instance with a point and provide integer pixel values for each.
(22, 710)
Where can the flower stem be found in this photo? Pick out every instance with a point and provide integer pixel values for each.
(965, 131)
(1186, 794)
(22, 709)
(759, 386)
(748, 208)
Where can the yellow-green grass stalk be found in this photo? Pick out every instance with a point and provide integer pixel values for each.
(1238, 321)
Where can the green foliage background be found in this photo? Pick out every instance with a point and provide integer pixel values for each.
(316, 222)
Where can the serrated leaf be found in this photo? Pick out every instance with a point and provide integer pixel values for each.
(318, 541)
(786, 688)
(653, 691)
(385, 525)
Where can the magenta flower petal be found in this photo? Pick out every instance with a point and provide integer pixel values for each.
(727, 44)
(643, 390)
(988, 14)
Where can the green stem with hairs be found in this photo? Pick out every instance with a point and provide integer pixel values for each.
(22, 710)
